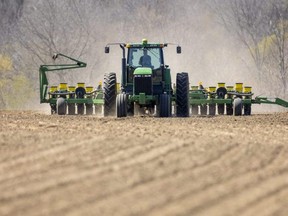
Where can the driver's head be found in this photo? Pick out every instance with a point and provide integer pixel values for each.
(145, 52)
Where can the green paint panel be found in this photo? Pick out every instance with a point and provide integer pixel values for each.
(148, 98)
(143, 71)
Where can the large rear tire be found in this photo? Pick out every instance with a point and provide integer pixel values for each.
(182, 95)
(237, 106)
(109, 94)
(165, 105)
(61, 106)
(121, 103)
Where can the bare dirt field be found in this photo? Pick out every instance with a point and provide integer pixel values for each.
(81, 165)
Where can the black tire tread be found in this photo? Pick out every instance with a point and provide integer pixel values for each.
(182, 94)
(109, 93)
(121, 103)
(164, 105)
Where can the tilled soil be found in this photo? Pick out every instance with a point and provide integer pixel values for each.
(88, 165)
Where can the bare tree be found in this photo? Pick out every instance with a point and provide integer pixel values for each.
(248, 21)
(278, 27)
(261, 26)
(10, 12)
(54, 26)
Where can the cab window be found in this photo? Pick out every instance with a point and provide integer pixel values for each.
(144, 57)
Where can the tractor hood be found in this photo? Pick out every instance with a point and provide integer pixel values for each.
(143, 71)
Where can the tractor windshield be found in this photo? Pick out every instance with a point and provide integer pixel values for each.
(145, 57)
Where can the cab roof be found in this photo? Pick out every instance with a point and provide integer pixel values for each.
(145, 44)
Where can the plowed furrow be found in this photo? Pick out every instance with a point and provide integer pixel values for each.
(233, 177)
(82, 165)
(168, 178)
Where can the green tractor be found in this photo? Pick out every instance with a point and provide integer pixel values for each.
(146, 84)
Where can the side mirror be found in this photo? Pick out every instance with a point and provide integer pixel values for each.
(178, 49)
(107, 49)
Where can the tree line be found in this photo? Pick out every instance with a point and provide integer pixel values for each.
(31, 31)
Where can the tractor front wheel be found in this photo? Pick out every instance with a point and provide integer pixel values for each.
(121, 103)
(165, 105)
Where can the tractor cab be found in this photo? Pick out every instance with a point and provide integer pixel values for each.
(148, 57)
(145, 67)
